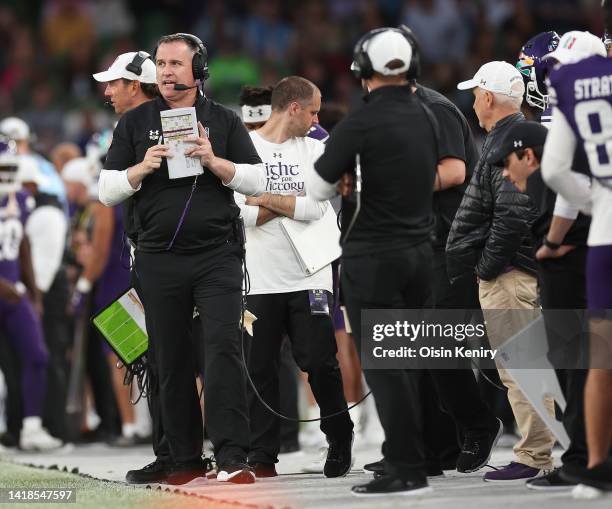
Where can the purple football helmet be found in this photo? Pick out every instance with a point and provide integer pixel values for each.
(534, 70)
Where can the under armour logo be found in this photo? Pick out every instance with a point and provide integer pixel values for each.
(483, 81)
(277, 154)
(518, 143)
(259, 112)
(154, 135)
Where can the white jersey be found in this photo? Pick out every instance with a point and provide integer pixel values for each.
(271, 262)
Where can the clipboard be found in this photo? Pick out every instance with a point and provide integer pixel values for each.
(122, 324)
(315, 243)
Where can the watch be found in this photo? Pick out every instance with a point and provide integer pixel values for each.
(551, 245)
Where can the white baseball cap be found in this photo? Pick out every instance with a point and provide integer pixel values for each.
(119, 69)
(498, 77)
(575, 46)
(15, 128)
(385, 47)
(78, 170)
(28, 171)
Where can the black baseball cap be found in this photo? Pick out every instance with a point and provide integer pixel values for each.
(521, 135)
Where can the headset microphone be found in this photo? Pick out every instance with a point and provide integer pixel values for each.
(180, 86)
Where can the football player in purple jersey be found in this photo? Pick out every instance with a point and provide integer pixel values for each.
(581, 95)
(561, 235)
(20, 302)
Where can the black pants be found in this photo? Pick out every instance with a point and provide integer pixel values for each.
(314, 348)
(562, 287)
(398, 279)
(58, 340)
(171, 284)
(288, 378)
(456, 390)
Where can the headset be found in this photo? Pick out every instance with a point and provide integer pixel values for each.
(135, 66)
(199, 62)
(362, 65)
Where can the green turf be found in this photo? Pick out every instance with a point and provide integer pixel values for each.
(93, 493)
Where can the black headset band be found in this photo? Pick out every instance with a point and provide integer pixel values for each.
(200, 48)
(135, 66)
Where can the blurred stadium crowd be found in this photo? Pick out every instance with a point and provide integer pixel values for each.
(50, 48)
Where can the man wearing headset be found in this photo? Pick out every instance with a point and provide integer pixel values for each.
(189, 253)
(386, 258)
(130, 81)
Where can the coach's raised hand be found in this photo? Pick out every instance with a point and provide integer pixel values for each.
(202, 148)
(151, 162)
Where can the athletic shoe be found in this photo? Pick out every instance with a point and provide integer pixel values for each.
(378, 469)
(317, 465)
(391, 485)
(179, 473)
(599, 477)
(514, 472)
(476, 450)
(237, 473)
(36, 438)
(151, 473)
(550, 482)
(339, 457)
(375, 467)
(263, 469)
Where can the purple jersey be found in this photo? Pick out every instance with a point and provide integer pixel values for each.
(318, 133)
(15, 209)
(116, 276)
(583, 93)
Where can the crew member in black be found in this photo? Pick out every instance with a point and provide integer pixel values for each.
(386, 259)
(188, 253)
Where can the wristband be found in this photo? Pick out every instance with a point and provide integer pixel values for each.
(551, 245)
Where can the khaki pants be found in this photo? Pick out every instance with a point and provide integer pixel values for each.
(517, 290)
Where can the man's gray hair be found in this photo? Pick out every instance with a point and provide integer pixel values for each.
(508, 101)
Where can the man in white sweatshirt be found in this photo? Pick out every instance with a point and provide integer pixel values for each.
(282, 296)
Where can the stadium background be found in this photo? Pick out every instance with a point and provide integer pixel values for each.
(49, 49)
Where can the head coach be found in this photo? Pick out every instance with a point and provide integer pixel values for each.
(189, 253)
(386, 257)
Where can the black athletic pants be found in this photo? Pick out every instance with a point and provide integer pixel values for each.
(562, 288)
(314, 348)
(398, 279)
(457, 390)
(58, 340)
(171, 284)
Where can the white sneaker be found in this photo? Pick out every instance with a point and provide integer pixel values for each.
(311, 436)
(317, 465)
(36, 438)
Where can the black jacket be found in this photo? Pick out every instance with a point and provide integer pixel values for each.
(491, 230)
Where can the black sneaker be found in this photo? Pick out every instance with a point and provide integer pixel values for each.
(153, 472)
(263, 469)
(550, 482)
(391, 485)
(339, 461)
(476, 450)
(377, 467)
(600, 476)
(237, 473)
(184, 472)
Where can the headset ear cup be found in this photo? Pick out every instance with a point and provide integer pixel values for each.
(365, 65)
